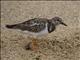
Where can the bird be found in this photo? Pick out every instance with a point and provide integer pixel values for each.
(38, 27)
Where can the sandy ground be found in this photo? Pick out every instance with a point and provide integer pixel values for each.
(63, 43)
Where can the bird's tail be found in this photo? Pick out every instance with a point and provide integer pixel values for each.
(11, 26)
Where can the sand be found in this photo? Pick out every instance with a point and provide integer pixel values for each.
(63, 43)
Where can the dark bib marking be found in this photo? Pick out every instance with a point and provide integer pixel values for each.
(51, 27)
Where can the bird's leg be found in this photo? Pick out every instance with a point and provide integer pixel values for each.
(34, 45)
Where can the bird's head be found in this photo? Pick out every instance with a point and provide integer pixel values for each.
(57, 21)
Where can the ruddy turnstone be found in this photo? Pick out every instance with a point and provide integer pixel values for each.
(38, 27)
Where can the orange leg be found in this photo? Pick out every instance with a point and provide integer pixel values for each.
(34, 45)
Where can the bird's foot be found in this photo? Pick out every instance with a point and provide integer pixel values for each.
(33, 46)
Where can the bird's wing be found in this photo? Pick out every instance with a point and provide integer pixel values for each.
(33, 25)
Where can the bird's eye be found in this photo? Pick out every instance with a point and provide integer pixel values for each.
(58, 20)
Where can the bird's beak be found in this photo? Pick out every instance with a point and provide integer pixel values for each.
(63, 24)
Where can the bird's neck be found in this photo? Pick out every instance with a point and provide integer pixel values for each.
(55, 23)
